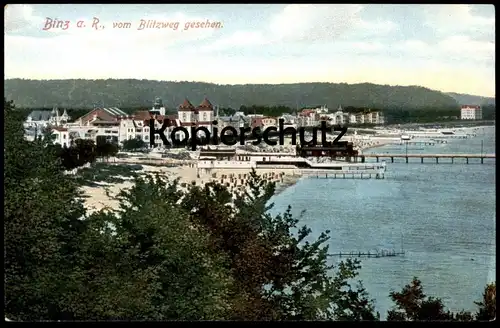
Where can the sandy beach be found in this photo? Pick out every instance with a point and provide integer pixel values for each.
(235, 179)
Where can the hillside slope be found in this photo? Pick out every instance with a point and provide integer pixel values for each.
(465, 99)
(136, 93)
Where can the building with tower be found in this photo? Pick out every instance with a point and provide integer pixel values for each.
(200, 116)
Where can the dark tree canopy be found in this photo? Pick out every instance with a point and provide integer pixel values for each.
(141, 93)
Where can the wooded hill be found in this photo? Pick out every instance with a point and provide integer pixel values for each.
(136, 93)
(465, 99)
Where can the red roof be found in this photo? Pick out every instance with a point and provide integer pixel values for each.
(307, 112)
(60, 129)
(186, 106)
(171, 120)
(142, 115)
(98, 113)
(205, 105)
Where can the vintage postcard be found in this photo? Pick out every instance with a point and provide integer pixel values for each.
(249, 162)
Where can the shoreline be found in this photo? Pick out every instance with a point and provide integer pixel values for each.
(95, 197)
(288, 182)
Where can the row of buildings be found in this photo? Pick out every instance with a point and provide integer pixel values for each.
(118, 126)
(312, 117)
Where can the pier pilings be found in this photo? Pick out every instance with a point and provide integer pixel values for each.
(437, 157)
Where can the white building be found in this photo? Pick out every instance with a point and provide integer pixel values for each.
(308, 117)
(61, 136)
(374, 118)
(43, 118)
(340, 117)
(288, 119)
(117, 126)
(201, 116)
(471, 112)
(322, 110)
(366, 118)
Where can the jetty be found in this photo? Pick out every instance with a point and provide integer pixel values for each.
(347, 174)
(331, 169)
(435, 157)
(376, 254)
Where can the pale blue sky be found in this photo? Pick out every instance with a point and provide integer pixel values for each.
(443, 47)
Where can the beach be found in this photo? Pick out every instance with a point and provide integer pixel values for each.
(234, 179)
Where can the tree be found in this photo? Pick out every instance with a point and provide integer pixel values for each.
(153, 265)
(278, 275)
(487, 307)
(42, 224)
(81, 152)
(136, 94)
(134, 144)
(413, 305)
(107, 150)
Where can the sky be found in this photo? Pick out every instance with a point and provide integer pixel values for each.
(449, 48)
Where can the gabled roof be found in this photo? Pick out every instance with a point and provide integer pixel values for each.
(101, 113)
(186, 105)
(170, 119)
(206, 103)
(115, 111)
(142, 115)
(205, 106)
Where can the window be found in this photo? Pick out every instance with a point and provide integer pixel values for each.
(204, 116)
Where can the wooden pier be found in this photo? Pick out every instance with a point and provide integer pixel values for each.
(416, 142)
(436, 157)
(383, 253)
(352, 174)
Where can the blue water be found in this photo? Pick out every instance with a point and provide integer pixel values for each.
(442, 215)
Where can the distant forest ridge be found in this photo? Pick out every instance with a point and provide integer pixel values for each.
(465, 99)
(130, 93)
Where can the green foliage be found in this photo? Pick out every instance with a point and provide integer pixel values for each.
(413, 305)
(81, 152)
(489, 111)
(41, 222)
(102, 172)
(133, 144)
(106, 150)
(278, 275)
(139, 93)
(423, 115)
(488, 306)
(151, 265)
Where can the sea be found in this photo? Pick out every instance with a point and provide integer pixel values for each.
(441, 215)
